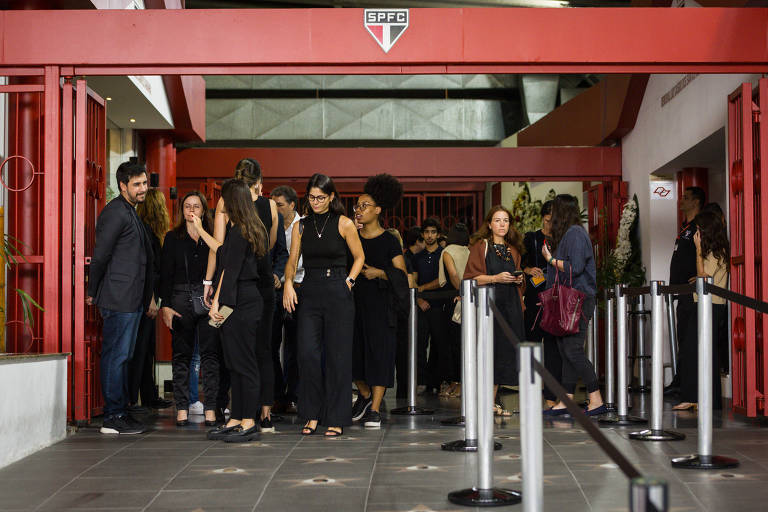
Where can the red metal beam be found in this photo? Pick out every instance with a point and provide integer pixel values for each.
(437, 40)
(413, 164)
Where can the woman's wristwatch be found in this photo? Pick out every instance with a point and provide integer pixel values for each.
(206, 282)
(350, 281)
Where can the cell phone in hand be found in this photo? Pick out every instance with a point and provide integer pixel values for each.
(517, 273)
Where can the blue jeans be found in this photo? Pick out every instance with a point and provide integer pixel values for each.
(119, 339)
(194, 374)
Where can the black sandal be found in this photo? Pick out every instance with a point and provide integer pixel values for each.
(333, 432)
(307, 430)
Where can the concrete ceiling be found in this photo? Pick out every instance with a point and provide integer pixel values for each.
(136, 99)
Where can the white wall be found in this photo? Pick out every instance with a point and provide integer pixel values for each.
(33, 404)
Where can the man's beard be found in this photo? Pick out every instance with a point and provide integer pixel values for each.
(138, 198)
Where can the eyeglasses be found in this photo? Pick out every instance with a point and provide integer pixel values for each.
(192, 207)
(316, 199)
(362, 206)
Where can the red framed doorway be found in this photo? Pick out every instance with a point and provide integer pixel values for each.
(75, 44)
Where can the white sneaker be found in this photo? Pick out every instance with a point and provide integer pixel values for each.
(196, 408)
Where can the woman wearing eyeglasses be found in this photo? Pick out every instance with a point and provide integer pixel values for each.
(327, 313)
(384, 271)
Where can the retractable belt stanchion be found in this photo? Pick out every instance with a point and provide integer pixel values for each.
(596, 340)
(589, 349)
(657, 432)
(469, 370)
(704, 458)
(621, 418)
(531, 438)
(484, 494)
(411, 408)
(610, 382)
(648, 495)
(672, 332)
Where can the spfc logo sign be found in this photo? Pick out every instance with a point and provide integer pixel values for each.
(386, 25)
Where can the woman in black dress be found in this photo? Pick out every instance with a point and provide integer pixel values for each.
(237, 286)
(492, 261)
(183, 263)
(327, 314)
(375, 342)
(535, 268)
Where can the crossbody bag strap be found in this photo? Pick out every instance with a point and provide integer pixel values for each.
(189, 283)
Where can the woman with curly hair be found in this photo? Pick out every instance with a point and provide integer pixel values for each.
(375, 342)
(495, 260)
(574, 263)
(712, 257)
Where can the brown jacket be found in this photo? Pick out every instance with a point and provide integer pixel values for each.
(476, 264)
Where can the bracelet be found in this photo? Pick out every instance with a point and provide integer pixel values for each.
(207, 282)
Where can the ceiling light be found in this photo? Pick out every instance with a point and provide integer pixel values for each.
(132, 120)
(109, 98)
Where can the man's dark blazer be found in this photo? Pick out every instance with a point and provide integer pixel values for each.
(120, 276)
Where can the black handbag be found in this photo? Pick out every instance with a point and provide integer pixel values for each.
(196, 294)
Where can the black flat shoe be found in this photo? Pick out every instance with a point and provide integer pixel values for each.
(333, 432)
(211, 423)
(243, 436)
(220, 432)
(182, 423)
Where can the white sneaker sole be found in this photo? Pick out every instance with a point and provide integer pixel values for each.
(372, 424)
(106, 430)
(268, 430)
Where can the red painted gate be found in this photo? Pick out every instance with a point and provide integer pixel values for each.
(748, 175)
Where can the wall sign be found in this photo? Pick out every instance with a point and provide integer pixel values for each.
(663, 190)
(386, 25)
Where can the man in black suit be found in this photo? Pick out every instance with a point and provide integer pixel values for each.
(120, 284)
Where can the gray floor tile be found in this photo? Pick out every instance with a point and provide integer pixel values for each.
(69, 500)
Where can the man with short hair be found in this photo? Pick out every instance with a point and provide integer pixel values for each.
(120, 284)
(431, 321)
(682, 268)
(287, 375)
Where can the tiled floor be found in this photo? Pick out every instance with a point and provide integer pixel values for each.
(399, 467)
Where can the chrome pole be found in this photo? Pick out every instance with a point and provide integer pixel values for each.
(704, 458)
(642, 382)
(531, 438)
(648, 494)
(484, 494)
(622, 418)
(589, 349)
(596, 341)
(610, 383)
(657, 432)
(411, 408)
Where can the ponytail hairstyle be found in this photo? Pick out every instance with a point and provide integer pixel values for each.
(325, 184)
(239, 207)
(248, 171)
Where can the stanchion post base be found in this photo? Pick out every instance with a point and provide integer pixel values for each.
(485, 497)
(465, 445)
(695, 461)
(456, 421)
(657, 435)
(412, 411)
(621, 421)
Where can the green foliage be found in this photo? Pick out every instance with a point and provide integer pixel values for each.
(526, 212)
(12, 255)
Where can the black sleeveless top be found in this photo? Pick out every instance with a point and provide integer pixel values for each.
(265, 262)
(322, 246)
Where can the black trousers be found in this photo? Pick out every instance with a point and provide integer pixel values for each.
(141, 374)
(185, 329)
(284, 334)
(326, 321)
(264, 353)
(431, 333)
(575, 362)
(239, 337)
(688, 363)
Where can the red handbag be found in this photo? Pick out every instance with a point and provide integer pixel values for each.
(561, 308)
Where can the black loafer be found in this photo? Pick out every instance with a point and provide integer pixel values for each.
(182, 423)
(243, 436)
(222, 431)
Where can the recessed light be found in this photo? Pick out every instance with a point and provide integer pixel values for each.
(132, 120)
(109, 98)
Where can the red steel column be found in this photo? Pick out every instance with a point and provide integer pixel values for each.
(24, 211)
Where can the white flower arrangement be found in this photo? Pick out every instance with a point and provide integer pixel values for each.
(623, 249)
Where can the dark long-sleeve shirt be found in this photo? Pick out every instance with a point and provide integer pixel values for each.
(172, 268)
(575, 251)
(239, 264)
(279, 252)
